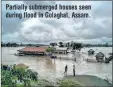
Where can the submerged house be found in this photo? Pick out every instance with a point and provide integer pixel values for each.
(91, 52)
(32, 51)
(100, 57)
(61, 50)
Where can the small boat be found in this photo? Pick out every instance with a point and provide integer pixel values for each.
(19, 54)
(53, 57)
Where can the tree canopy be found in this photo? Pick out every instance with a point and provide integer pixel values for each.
(50, 49)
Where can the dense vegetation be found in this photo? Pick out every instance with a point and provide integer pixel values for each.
(17, 75)
(10, 44)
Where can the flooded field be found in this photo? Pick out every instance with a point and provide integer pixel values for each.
(52, 69)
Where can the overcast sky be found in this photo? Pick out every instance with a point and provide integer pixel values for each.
(97, 29)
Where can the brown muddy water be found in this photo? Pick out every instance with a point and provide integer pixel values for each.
(51, 69)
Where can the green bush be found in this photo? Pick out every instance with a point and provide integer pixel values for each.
(50, 49)
(6, 78)
(18, 73)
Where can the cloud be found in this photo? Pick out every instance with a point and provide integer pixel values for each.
(97, 29)
(10, 25)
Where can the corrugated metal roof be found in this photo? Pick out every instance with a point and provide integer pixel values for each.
(100, 54)
(33, 49)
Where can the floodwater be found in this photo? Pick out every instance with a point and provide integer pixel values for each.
(51, 69)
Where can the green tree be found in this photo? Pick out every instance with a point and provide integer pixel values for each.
(60, 44)
(77, 46)
(50, 49)
(53, 44)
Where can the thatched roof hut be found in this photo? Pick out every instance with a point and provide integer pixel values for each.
(99, 56)
(91, 51)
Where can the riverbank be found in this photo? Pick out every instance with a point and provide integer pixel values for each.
(21, 75)
(88, 80)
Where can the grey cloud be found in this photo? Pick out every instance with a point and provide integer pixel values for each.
(52, 23)
(48, 30)
(9, 25)
(103, 9)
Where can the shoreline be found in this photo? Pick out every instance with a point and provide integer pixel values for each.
(84, 80)
(88, 80)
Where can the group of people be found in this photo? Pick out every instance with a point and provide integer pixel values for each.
(66, 69)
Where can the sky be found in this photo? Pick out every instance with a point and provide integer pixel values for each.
(96, 29)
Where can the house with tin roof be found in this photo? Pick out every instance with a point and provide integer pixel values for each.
(32, 51)
(61, 50)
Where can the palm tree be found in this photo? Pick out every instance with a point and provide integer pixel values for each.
(72, 43)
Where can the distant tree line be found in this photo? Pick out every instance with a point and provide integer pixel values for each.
(98, 45)
(9, 44)
(73, 45)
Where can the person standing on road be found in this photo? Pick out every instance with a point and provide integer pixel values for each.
(73, 70)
